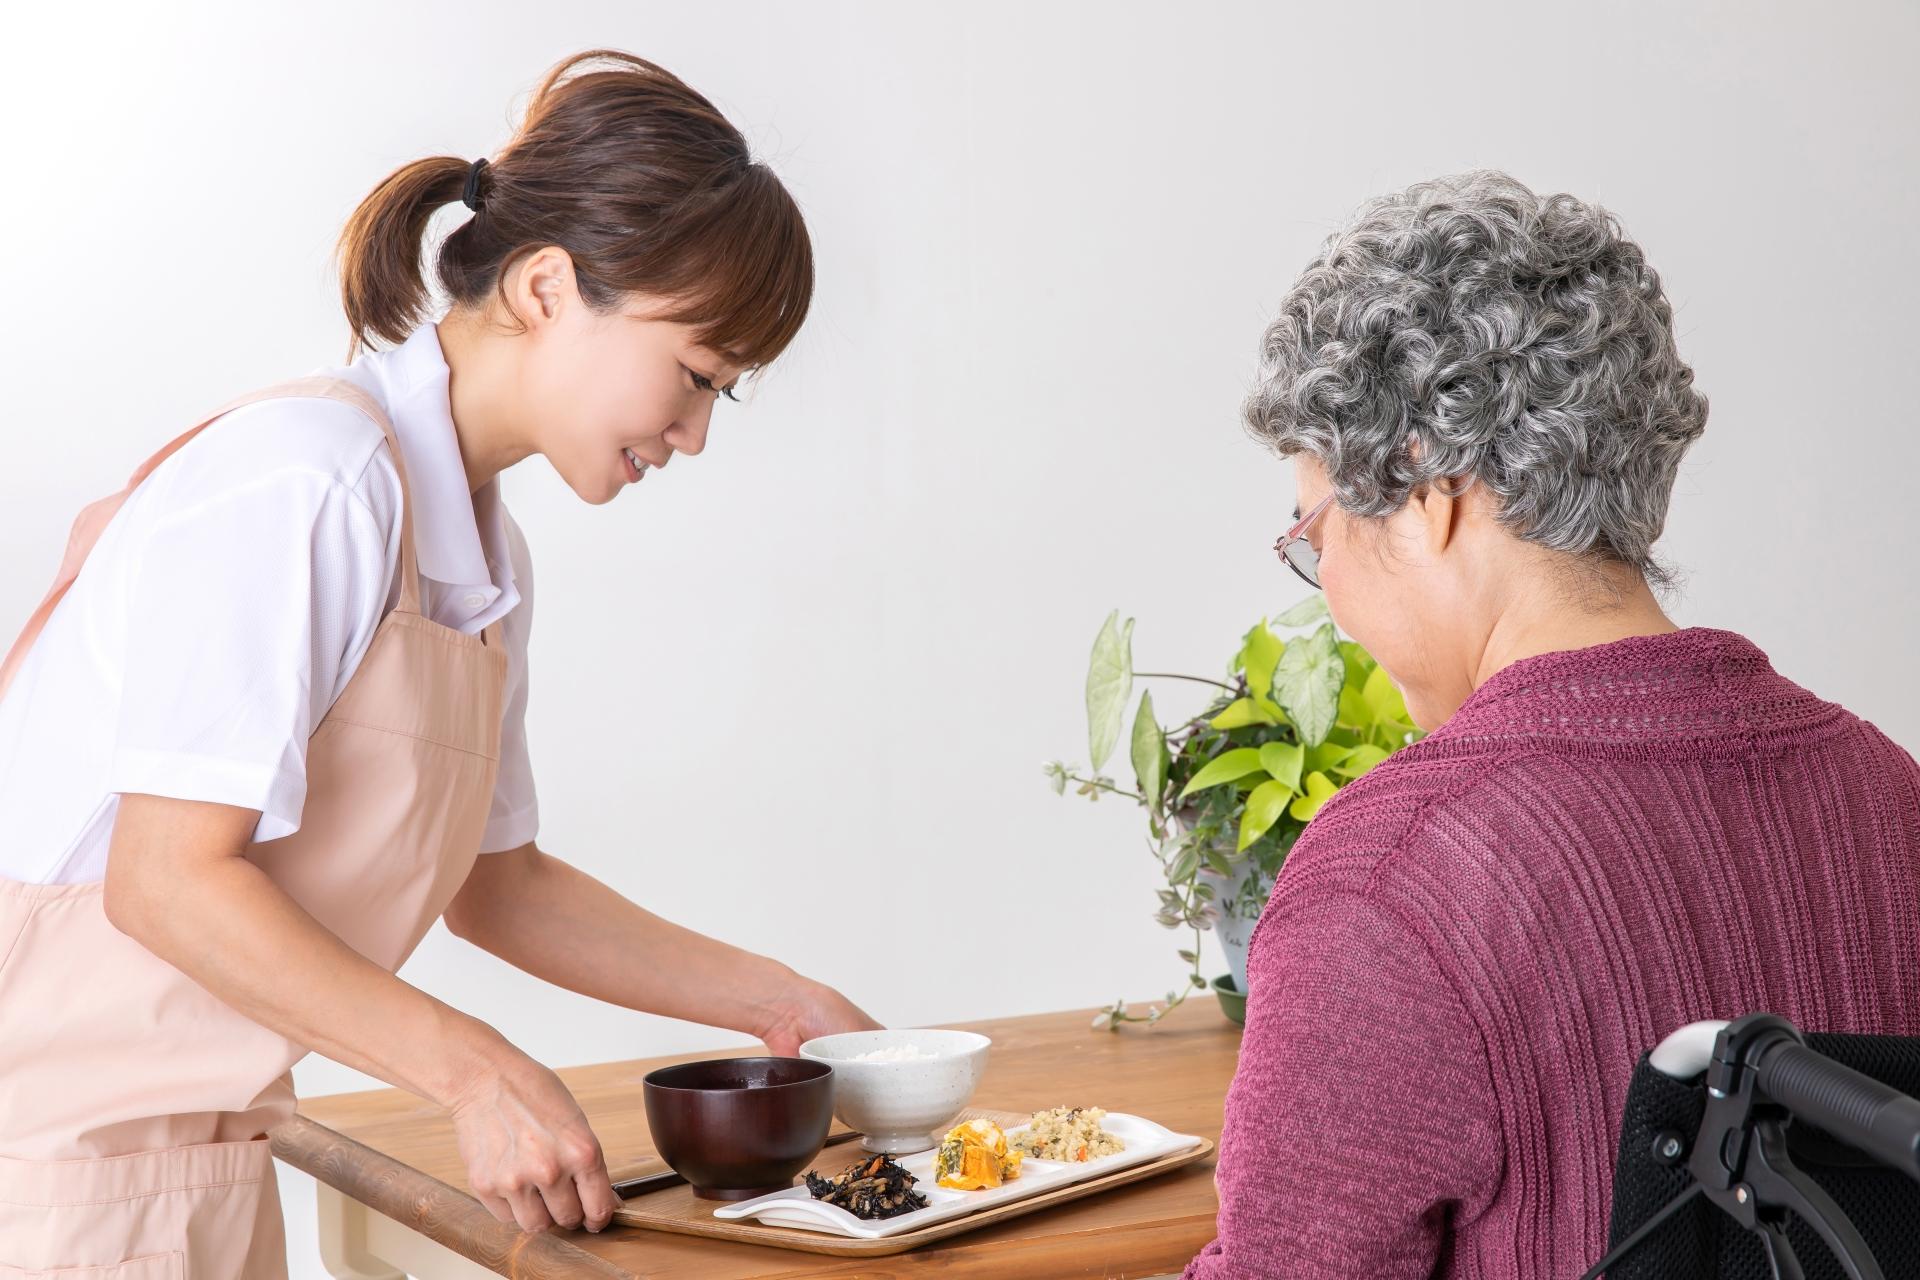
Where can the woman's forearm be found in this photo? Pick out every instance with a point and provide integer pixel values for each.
(555, 921)
(175, 885)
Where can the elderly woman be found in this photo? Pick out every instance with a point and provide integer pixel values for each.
(1617, 826)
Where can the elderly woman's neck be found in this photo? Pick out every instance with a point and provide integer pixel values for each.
(1574, 606)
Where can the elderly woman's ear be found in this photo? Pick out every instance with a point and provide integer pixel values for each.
(1440, 515)
(1437, 507)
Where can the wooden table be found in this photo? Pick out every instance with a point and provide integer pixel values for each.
(391, 1199)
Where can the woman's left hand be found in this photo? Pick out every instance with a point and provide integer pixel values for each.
(808, 1009)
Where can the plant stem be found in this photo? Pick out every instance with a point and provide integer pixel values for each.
(1103, 786)
(1171, 675)
(1120, 1014)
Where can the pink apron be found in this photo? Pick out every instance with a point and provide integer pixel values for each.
(133, 1103)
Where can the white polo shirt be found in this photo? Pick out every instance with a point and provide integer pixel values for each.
(230, 600)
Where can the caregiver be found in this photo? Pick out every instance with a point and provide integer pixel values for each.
(268, 725)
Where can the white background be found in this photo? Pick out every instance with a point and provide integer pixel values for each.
(797, 692)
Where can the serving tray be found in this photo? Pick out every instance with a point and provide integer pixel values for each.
(793, 1219)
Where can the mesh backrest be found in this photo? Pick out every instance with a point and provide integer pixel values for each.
(1703, 1243)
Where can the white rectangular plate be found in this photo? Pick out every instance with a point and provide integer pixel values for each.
(796, 1207)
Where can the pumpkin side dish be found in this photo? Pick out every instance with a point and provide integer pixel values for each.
(974, 1156)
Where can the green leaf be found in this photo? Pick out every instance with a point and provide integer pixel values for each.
(1320, 789)
(1359, 662)
(1259, 654)
(1360, 760)
(1109, 685)
(1185, 863)
(1304, 613)
(1149, 752)
(1353, 708)
(1308, 681)
(1225, 767)
(1326, 755)
(1245, 711)
(1283, 760)
(1388, 706)
(1264, 805)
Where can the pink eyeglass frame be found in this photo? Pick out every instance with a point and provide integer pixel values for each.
(1299, 534)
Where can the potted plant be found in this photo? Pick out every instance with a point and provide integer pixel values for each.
(1228, 791)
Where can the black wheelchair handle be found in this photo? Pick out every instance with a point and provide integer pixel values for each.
(1856, 1109)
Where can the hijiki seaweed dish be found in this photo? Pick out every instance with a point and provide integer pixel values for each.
(875, 1188)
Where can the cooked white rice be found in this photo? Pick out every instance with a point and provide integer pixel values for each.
(895, 1053)
(1067, 1133)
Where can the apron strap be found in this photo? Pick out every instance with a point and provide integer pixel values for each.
(94, 518)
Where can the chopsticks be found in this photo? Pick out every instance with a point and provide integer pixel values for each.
(632, 1187)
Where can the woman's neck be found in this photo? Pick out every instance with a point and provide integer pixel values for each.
(479, 393)
(1585, 610)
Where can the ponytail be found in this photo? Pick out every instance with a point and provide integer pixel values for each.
(382, 285)
(638, 177)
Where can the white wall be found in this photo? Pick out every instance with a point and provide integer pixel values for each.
(796, 692)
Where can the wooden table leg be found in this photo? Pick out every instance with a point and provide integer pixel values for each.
(417, 1255)
(343, 1239)
(361, 1243)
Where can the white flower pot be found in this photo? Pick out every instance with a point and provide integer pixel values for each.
(1241, 897)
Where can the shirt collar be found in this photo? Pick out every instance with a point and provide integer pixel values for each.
(460, 537)
(1710, 689)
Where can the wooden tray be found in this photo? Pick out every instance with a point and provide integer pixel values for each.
(678, 1210)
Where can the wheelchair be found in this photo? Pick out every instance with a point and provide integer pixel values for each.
(1750, 1151)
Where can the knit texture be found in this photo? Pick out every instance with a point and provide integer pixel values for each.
(1469, 949)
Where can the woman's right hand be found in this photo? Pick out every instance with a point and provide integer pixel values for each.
(531, 1157)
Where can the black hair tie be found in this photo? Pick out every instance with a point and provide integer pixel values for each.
(471, 196)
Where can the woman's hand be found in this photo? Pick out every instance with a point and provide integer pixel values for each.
(530, 1156)
(179, 882)
(806, 1009)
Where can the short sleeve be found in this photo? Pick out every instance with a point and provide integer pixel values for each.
(246, 609)
(514, 818)
(1361, 1120)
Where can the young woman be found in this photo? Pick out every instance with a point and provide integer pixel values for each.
(268, 725)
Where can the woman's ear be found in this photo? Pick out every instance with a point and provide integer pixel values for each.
(545, 284)
(1436, 506)
(1438, 509)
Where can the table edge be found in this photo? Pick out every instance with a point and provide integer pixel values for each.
(422, 1203)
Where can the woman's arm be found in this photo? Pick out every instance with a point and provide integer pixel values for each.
(177, 882)
(555, 921)
(1361, 1119)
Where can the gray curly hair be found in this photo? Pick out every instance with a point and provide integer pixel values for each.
(1467, 327)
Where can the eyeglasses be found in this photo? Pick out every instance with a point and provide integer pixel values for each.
(1300, 554)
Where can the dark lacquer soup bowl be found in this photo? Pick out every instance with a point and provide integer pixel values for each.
(736, 1128)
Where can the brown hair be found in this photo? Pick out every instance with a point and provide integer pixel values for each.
(639, 178)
